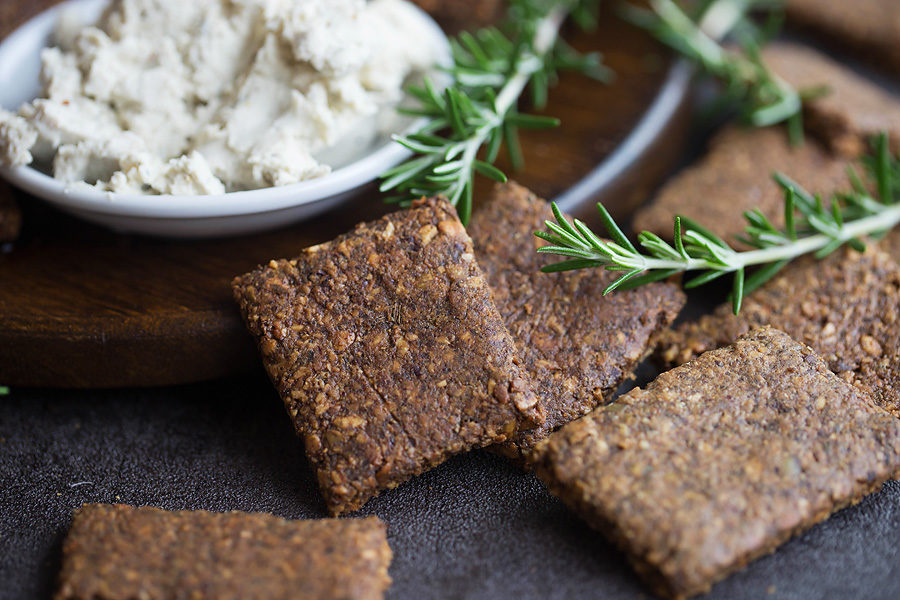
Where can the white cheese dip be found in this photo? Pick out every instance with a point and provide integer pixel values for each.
(194, 97)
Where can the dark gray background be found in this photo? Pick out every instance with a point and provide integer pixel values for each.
(476, 527)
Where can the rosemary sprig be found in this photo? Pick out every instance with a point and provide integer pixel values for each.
(812, 226)
(764, 98)
(492, 68)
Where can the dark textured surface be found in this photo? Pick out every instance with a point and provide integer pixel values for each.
(476, 527)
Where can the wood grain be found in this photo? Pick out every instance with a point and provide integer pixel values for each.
(84, 307)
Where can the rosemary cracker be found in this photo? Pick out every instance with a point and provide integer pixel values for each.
(852, 112)
(869, 28)
(734, 177)
(846, 307)
(10, 217)
(578, 345)
(720, 461)
(116, 552)
(388, 351)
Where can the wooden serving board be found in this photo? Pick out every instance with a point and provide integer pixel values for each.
(83, 307)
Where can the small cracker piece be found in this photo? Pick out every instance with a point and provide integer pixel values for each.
(869, 28)
(720, 461)
(578, 345)
(388, 351)
(116, 552)
(10, 216)
(854, 110)
(846, 307)
(735, 176)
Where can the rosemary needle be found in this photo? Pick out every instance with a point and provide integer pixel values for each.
(812, 226)
(764, 97)
(479, 109)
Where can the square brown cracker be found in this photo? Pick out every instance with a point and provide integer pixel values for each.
(847, 307)
(720, 461)
(116, 552)
(388, 351)
(578, 345)
(853, 111)
(736, 176)
(868, 28)
(10, 216)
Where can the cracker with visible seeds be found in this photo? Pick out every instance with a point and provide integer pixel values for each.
(578, 345)
(735, 176)
(720, 461)
(116, 552)
(847, 307)
(388, 351)
(854, 109)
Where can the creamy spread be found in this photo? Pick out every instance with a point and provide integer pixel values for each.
(206, 96)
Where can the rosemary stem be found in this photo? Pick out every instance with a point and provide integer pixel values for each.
(702, 42)
(887, 219)
(722, 17)
(478, 109)
(545, 38)
(703, 39)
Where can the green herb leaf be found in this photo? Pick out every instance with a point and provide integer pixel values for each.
(737, 293)
(763, 97)
(810, 228)
(472, 118)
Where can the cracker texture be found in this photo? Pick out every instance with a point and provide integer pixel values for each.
(868, 28)
(116, 552)
(854, 110)
(578, 345)
(720, 461)
(734, 177)
(388, 351)
(846, 307)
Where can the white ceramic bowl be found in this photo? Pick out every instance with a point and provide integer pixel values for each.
(177, 216)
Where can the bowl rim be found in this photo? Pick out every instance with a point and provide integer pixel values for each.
(668, 101)
(342, 180)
